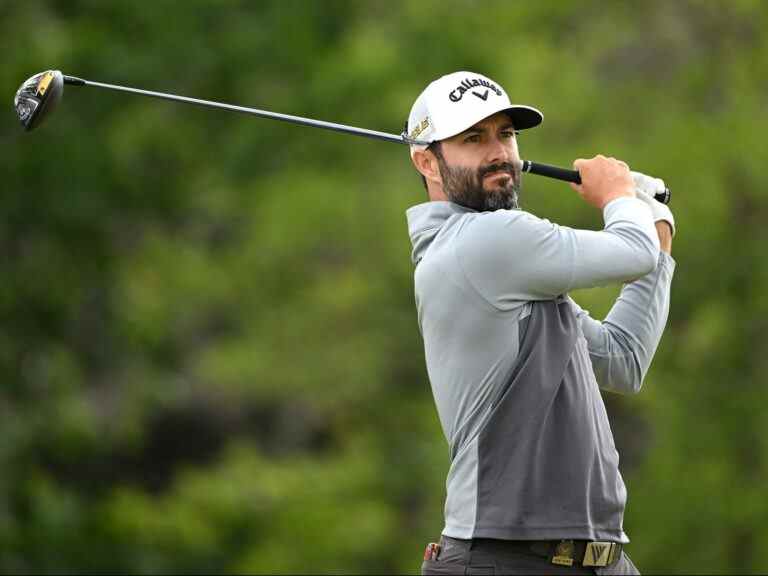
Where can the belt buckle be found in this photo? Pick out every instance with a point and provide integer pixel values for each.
(599, 553)
(563, 555)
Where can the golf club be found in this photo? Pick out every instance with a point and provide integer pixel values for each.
(39, 95)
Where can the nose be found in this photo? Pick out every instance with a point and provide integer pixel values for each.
(500, 151)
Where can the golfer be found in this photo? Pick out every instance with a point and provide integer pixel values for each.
(515, 365)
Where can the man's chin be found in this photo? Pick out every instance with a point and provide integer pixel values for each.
(501, 199)
(500, 188)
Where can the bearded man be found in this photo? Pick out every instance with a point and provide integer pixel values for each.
(515, 365)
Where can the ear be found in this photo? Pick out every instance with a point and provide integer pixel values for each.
(426, 163)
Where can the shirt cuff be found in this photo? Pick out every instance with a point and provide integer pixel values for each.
(625, 207)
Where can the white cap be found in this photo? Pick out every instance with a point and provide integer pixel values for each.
(454, 102)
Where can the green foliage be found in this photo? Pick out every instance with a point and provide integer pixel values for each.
(209, 356)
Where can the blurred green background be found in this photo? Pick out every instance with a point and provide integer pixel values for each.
(209, 355)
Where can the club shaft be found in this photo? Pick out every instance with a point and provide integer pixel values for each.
(528, 166)
(242, 109)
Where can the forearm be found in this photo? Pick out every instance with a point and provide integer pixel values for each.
(664, 230)
(511, 256)
(622, 346)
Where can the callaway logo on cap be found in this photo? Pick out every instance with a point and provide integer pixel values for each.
(454, 102)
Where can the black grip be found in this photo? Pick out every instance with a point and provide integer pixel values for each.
(573, 176)
(551, 171)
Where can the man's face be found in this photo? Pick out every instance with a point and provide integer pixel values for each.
(480, 167)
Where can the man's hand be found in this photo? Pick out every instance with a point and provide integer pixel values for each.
(646, 187)
(602, 180)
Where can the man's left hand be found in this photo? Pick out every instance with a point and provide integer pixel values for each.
(646, 187)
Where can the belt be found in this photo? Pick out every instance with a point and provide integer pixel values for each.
(560, 552)
(584, 552)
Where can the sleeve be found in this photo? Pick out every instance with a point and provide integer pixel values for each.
(622, 346)
(511, 256)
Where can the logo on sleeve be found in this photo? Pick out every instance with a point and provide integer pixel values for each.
(468, 84)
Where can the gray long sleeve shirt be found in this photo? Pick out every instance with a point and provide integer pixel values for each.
(515, 365)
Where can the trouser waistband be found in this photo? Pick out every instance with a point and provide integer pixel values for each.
(560, 552)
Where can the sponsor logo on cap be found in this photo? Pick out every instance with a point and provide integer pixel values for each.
(419, 128)
(468, 84)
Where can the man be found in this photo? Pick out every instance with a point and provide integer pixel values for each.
(514, 363)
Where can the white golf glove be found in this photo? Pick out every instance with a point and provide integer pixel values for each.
(646, 188)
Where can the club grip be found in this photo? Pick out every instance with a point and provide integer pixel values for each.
(573, 176)
(551, 171)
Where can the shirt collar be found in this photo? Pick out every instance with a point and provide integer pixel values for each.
(425, 221)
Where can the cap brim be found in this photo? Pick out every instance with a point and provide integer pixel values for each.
(524, 117)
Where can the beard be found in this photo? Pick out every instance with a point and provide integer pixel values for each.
(465, 186)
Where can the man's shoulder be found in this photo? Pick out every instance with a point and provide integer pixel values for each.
(499, 227)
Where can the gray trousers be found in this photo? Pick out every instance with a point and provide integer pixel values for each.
(481, 556)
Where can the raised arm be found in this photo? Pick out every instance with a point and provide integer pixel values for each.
(512, 256)
(622, 346)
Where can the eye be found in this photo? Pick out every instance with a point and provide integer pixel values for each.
(507, 134)
(472, 138)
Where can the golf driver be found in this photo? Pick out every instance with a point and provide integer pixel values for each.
(39, 95)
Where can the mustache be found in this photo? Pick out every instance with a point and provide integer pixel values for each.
(500, 167)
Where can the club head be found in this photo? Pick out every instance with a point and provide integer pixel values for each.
(37, 98)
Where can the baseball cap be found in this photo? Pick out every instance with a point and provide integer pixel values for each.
(456, 101)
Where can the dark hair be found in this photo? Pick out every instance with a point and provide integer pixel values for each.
(437, 150)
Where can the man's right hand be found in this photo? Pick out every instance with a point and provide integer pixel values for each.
(602, 180)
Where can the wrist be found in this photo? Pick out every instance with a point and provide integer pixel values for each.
(664, 230)
(608, 198)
